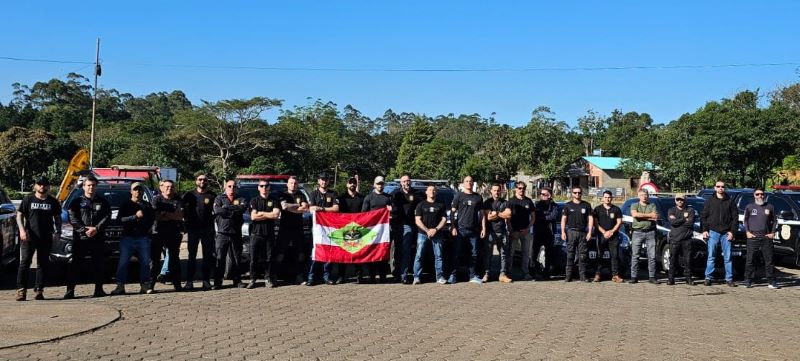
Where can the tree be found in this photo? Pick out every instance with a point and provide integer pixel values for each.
(591, 128)
(28, 151)
(419, 134)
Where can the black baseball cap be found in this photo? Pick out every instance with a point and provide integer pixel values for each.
(323, 176)
(43, 181)
(352, 180)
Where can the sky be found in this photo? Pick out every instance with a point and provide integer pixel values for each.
(497, 57)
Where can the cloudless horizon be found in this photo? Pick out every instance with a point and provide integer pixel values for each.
(505, 58)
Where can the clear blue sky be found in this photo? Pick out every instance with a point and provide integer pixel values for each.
(148, 46)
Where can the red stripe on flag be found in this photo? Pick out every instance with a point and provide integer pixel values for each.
(373, 253)
(365, 219)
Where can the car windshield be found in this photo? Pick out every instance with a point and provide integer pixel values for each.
(794, 197)
(116, 196)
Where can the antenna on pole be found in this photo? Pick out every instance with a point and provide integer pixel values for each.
(97, 71)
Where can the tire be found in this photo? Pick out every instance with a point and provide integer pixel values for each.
(664, 258)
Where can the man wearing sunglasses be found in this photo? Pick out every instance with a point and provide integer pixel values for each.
(681, 218)
(645, 216)
(547, 214)
(322, 199)
(197, 212)
(264, 210)
(229, 211)
(39, 223)
(577, 223)
(759, 224)
(719, 221)
(608, 220)
(523, 216)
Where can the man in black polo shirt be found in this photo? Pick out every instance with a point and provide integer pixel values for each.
(322, 200)
(264, 210)
(523, 216)
(759, 225)
(496, 213)
(430, 218)
(377, 199)
(404, 228)
(608, 220)
(466, 214)
(350, 202)
(89, 215)
(229, 209)
(169, 223)
(198, 206)
(38, 213)
(291, 239)
(576, 229)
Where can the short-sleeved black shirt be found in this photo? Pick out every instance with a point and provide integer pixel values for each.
(350, 204)
(498, 226)
(607, 218)
(162, 204)
(39, 215)
(577, 215)
(468, 207)
(375, 201)
(198, 209)
(405, 204)
(431, 213)
(291, 220)
(261, 204)
(319, 199)
(521, 210)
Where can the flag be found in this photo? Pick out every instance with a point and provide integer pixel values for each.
(351, 237)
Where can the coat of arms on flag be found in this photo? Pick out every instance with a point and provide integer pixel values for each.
(351, 237)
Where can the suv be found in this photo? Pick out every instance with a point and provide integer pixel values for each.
(787, 209)
(116, 191)
(699, 253)
(9, 244)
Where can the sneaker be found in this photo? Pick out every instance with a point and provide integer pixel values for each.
(251, 285)
(188, 286)
(120, 290)
(774, 286)
(330, 282)
(748, 284)
(206, 286)
(70, 294)
(707, 282)
(617, 279)
(653, 281)
(150, 291)
(504, 279)
(21, 294)
(671, 282)
(730, 283)
(268, 283)
(416, 281)
(475, 280)
(39, 295)
(441, 281)
(596, 277)
(633, 281)
(485, 278)
(308, 283)
(452, 279)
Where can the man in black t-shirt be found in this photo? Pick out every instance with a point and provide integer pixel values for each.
(198, 206)
(137, 219)
(39, 223)
(467, 230)
(291, 240)
(404, 228)
(430, 218)
(523, 216)
(321, 200)
(350, 202)
(495, 216)
(577, 223)
(229, 209)
(263, 213)
(608, 220)
(169, 224)
(377, 199)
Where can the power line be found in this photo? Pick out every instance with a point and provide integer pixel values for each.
(425, 70)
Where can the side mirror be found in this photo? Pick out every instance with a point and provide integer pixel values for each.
(786, 215)
(7, 209)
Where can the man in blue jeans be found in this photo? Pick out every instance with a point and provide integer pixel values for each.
(404, 228)
(466, 223)
(718, 221)
(137, 219)
(430, 220)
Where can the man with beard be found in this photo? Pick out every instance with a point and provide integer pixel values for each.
(547, 214)
(264, 210)
(608, 220)
(89, 215)
(465, 211)
(37, 215)
(290, 231)
(430, 218)
(496, 213)
(681, 218)
(576, 229)
(229, 211)
(169, 223)
(719, 221)
(377, 199)
(759, 225)
(644, 216)
(322, 199)
(523, 216)
(350, 202)
(404, 202)
(137, 219)
(198, 206)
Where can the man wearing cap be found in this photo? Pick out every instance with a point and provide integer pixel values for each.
(759, 225)
(39, 224)
(264, 210)
(404, 228)
(608, 220)
(350, 202)
(291, 239)
(681, 218)
(719, 221)
(321, 199)
(466, 222)
(644, 216)
(198, 206)
(377, 199)
(169, 224)
(89, 215)
(577, 223)
(137, 219)
(229, 211)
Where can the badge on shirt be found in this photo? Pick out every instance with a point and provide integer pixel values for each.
(527, 206)
(432, 209)
(98, 206)
(269, 204)
(469, 203)
(297, 200)
(235, 202)
(583, 211)
(612, 215)
(685, 214)
(206, 200)
(766, 211)
(410, 198)
(328, 199)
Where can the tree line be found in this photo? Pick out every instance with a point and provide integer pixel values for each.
(747, 140)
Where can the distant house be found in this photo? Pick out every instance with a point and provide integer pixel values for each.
(597, 172)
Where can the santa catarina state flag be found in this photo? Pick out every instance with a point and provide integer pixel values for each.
(351, 237)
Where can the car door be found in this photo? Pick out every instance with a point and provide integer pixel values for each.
(8, 225)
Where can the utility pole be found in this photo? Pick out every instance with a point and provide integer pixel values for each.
(97, 72)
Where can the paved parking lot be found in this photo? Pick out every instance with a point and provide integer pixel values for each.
(523, 320)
